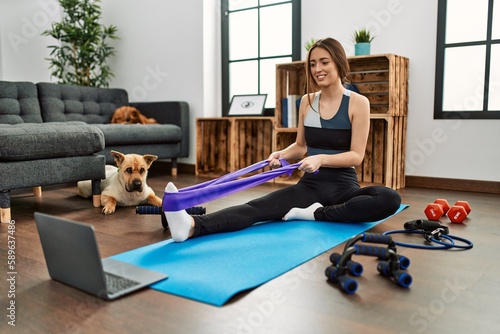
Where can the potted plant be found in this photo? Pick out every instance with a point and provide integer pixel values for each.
(362, 39)
(80, 58)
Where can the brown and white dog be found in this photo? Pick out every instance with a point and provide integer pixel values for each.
(130, 115)
(125, 184)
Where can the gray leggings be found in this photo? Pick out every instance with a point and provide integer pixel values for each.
(337, 189)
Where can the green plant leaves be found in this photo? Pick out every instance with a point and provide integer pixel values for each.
(81, 56)
(362, 36)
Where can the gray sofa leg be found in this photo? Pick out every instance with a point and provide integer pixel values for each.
(96, 193)
(5, 216)
(174, 166)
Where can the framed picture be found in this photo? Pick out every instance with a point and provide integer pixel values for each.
(247, 105)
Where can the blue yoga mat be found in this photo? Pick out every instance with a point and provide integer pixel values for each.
(214, 268)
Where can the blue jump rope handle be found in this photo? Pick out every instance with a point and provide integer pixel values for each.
(354, 268)
(348, 284)
(401, 277)
(379, 252)
(377, 238)
(404, 262)
(382, 253)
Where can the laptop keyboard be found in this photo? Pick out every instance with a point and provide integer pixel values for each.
(116, 283)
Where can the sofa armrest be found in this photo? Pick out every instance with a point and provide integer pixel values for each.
(169, 112)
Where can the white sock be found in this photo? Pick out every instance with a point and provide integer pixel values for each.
(179, 222)
(302, 214)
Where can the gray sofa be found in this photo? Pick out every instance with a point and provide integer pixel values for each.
(52, 134)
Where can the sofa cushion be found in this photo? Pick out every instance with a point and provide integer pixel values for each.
(131, 134)
(19, 103)
(62, 103)
(30, 141)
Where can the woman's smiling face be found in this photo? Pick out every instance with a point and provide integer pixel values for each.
(322, 67)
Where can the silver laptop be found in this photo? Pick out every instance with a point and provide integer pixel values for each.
(72, 257)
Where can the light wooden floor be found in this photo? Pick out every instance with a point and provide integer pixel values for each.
(452, 291)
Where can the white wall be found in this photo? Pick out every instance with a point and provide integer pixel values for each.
(212, 90)
(22, 49)
(170, 50)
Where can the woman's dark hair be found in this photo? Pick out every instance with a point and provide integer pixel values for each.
(337, 52)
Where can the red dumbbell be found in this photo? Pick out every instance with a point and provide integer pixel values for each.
(444, 204)
(434, 211)
(459, 211)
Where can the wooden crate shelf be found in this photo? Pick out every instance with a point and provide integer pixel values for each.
(384, 157)
(290, 80)
(383, 79)
(225, 144)
(283, 137)
(252, 141)
(213, 151)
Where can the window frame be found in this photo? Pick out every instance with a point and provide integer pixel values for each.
(441, 47)
(295, 55)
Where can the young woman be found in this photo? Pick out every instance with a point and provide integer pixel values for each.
(332, 132)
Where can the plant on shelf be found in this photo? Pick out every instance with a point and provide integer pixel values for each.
(309, 44)
(362, 39)
(81, 56)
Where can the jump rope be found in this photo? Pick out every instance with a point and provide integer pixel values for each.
(432, 231)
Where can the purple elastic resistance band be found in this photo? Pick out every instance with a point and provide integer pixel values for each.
(223, 186)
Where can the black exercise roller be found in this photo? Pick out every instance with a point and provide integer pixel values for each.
(158, 210)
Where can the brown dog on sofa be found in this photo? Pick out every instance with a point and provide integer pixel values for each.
(130, 115)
